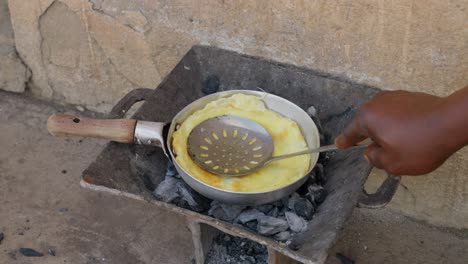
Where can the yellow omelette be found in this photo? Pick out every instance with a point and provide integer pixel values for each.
(286, 134)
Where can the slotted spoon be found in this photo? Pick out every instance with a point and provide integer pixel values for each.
(235, 146)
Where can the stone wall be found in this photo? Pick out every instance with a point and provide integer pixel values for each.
(90, 53)
(13, 73)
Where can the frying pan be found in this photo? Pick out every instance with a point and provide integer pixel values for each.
(160, 134)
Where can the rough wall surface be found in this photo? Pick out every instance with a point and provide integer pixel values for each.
(13, 73)
(440, 198)
(92, 52)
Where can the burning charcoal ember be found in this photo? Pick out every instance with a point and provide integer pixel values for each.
(195, 201)
(296, 223)
(249, 215)
(264, 208)
(167, 190)
(210, 85)
(273, 212)
(268, 225)
(225, 212)
(282, 236)
(316, 194)
(303, 207)
(29, 252)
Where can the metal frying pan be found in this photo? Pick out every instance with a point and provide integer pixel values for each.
(160, 134)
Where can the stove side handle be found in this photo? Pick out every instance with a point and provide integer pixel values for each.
(124, 104)
(382, 196)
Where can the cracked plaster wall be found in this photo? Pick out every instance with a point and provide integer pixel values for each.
(90, 53)
(13, 73)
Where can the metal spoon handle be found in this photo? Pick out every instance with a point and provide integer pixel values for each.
(363, 144)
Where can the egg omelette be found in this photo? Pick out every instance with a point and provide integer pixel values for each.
(286, 134)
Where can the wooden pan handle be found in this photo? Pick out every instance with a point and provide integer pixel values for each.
(119, 130)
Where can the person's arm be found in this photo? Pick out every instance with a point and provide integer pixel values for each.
(413, 133)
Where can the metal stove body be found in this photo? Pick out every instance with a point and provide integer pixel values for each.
(134, 171)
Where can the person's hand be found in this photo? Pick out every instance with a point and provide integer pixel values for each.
(408, 130)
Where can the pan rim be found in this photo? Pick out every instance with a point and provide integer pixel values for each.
(223, 94)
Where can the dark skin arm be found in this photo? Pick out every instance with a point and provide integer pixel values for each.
(413, 133)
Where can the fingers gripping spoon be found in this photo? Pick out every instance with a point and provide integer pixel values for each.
(236, 146)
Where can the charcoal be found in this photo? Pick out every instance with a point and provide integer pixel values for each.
(29, 252)
(210, 85)
(296, 223)
(282, 211)
(249, 215)
(167, 190)
(195, 201)
(51, 252)
(316, 194)
(274, 212)
(236, 250)
(278, 203)
(252, 225)
(171, 170)
(217, 254)
(217, 212)
(285, 200)
(247, 259)
(232, 211)
(303, 207)
(264, 208)
(319, 173)
(282, 236)
(293, 200)
(268, 225)
(225, 212)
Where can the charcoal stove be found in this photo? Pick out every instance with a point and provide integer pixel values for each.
(135, 171)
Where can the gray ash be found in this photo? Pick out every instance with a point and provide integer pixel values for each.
(231, 249)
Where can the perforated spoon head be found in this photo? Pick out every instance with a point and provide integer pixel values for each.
(230, 145)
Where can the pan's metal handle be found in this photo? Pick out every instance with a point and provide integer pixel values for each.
(382, 196)
(132, 97)
(146, 133)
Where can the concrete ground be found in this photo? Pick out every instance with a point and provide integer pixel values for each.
(44, 208)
